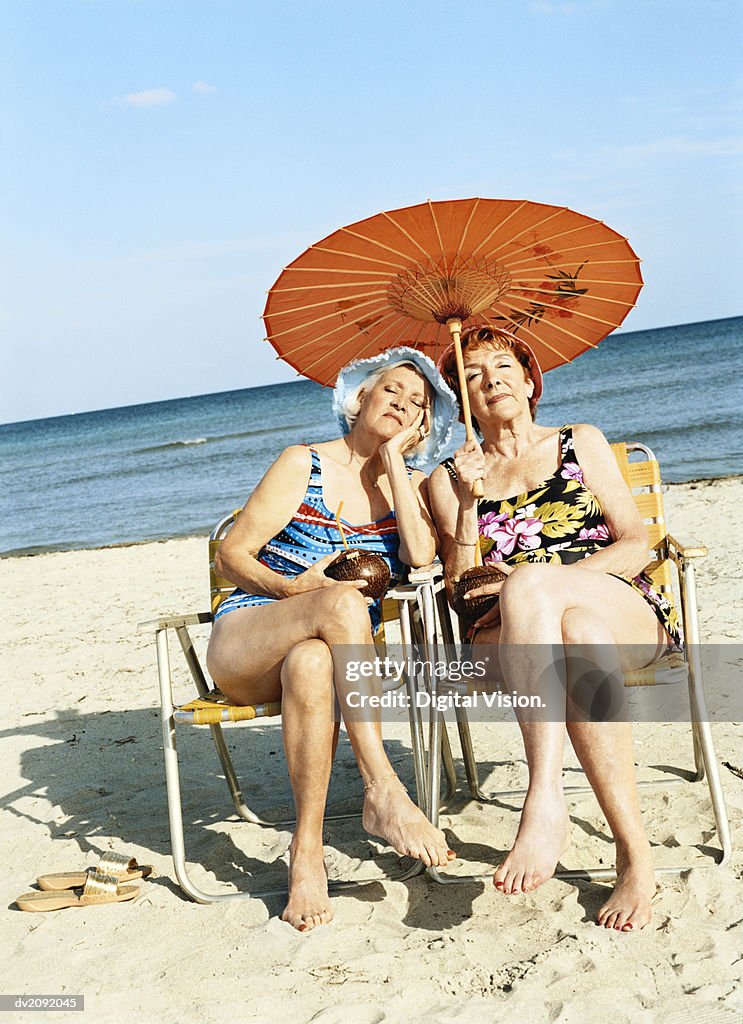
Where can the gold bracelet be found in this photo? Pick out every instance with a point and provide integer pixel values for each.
(465, 543)
(383, 778)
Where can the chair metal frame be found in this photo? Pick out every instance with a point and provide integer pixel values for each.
(415, 605)
(683, 554)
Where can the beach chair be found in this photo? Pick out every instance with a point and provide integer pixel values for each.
(411, 604)
(641, 471)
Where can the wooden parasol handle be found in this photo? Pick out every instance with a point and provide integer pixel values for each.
(455, 329)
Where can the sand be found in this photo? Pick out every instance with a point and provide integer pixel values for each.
(82, 773)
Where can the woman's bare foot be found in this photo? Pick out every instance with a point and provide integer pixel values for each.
(542, 838)
(628, 907)
(309, 903)
(390, 814)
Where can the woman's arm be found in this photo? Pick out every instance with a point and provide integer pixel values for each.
(629, 553)
(410, 502)
(455, 510)
(269, 508)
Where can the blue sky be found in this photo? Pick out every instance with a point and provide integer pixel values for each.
(165, 160)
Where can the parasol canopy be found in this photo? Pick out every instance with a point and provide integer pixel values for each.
(559, 280)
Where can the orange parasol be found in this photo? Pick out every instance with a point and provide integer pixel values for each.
(557, 279)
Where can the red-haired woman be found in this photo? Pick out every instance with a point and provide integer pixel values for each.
(559, 520)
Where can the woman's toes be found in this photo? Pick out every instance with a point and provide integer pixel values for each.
(442, 857)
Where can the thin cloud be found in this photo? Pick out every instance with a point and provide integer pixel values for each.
(670, 146)
(148, 98)
(203, 88)
(679, 146)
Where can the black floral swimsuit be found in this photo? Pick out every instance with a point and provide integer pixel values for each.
(558, 523)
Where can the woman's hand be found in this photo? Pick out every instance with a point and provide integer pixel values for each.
(469, 462)
(492, 616)
(314, 578)
(404, 441)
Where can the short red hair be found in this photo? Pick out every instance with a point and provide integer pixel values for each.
(474, 338)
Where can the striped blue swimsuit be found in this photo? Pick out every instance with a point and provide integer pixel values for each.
(313, 533)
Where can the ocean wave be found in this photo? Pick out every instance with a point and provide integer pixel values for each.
(172, 444)
(214, 438)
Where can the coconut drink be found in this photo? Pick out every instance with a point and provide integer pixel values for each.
(471, 579)
(356, 564)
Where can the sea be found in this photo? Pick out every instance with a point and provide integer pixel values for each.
(173, 468)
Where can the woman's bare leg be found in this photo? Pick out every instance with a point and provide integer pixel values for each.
(246, 652)
(309, 733)
(539, 603)
(528, 644)
(605, 752)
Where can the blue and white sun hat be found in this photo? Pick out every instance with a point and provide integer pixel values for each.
(443, 414)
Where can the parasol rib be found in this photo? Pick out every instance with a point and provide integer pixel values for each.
(318, 320)
(406, 233)
(465, 229)
(611, 324)
(334, 300)
(325, 287)
(381, 245)
(358, 352)
(541, 341)
(349, 255)
(513, 240)
(592, 298)
(498, 226)
(442, 249)
(555, 306)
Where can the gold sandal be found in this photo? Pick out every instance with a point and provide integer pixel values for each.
(118, 865)
(98, 889)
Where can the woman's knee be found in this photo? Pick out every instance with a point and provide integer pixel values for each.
(529, 588)
(582, 627)
(342, 604)
(308, 665)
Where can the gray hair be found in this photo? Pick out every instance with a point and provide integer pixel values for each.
(351, 405)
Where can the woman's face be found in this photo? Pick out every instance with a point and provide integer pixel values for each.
(497, 385)
(397, 401)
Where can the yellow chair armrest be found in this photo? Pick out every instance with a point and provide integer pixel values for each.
(173, 621)
(685, 547)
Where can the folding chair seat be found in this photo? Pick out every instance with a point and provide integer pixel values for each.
(642, 474)
(410, 604)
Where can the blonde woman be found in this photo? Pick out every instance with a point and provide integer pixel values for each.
(273, 638)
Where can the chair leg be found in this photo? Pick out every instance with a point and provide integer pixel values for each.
(414, 715)
(230, 774)
(172, 782)
(175, 807)
(704, 751)
(468, 755)
(228, 767)
(447, 762)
